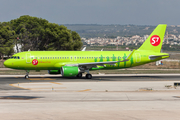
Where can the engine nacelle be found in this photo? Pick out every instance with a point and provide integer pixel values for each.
(54, 71)
(69, 71)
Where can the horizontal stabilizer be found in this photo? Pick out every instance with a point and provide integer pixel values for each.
(152, 57)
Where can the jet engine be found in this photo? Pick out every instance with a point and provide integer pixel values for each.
(69, 71)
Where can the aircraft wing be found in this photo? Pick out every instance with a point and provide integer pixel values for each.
(95, 64)
(107, 62)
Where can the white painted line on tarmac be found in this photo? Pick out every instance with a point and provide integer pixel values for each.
(93, 75)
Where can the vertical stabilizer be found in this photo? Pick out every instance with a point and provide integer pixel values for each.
(155, 40)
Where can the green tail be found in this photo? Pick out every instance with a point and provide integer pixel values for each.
(155, 40)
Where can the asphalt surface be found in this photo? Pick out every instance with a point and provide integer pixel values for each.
(104, 97)
(5, 81)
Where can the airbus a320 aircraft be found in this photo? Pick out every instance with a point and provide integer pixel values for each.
(74, 63)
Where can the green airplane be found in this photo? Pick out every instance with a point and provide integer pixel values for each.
(74, 63)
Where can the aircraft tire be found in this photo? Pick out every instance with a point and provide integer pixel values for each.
(79, 75)
(88, 76)
(26, 76)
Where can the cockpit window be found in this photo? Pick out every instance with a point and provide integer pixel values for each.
(15, 57)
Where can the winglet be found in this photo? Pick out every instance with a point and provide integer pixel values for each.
(130, 55)
(84, 49)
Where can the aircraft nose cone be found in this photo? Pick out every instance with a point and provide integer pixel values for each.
(7, 63)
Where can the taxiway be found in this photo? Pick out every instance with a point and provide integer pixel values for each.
(104, 97)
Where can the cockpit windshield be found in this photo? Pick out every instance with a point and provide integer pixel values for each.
(15, 57)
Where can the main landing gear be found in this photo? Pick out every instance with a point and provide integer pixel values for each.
(88, 76)
(27, 74)
(79, 75)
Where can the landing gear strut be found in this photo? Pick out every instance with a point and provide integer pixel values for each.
(79, 75)
(27, 74)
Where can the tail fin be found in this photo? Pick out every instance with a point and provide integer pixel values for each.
(155, 40)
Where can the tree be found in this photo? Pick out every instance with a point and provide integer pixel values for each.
(38, 34)
(7, 36)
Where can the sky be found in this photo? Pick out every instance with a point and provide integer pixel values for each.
(137, 12)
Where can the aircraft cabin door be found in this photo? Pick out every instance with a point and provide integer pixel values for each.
(138, 57)
(28, 58)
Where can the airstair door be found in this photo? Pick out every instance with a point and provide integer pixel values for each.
(28, 58)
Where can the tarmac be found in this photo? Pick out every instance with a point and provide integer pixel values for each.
(104, 97)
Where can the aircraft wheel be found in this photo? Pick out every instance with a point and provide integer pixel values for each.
(88, 76)
(79, 75)
(26, 76)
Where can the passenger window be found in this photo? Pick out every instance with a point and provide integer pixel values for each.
(58, 57)
(18, 57)
(31, 57)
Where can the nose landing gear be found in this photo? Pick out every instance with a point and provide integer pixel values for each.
(27, 74)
